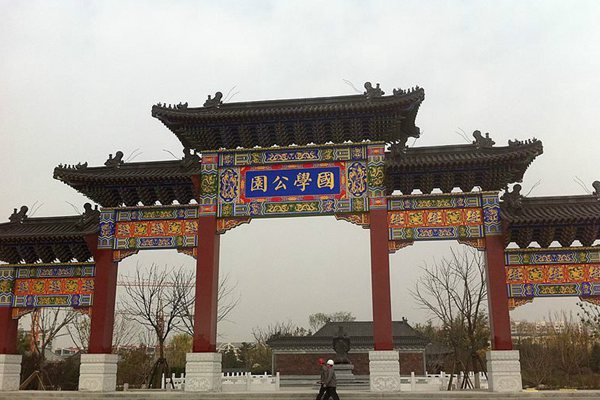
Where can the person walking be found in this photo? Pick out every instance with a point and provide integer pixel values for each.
(330, 382)
(322, 388)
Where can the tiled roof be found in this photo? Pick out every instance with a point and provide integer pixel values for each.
(46, 228)
(547, 219)
(132, 183)
(464, 155)
(363, 328)
(463, 166)
(294, 122)
(359, 332)
(47, 238)
(555, 210)
(129, 172)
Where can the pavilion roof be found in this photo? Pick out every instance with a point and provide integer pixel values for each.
(359, 332)
(547, 219)
(131, 183)
(464, 166)
(368, 117)
(31, 239)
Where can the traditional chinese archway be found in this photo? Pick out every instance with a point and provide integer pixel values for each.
(340, 156)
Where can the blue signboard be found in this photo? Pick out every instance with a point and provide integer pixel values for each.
(293, 182)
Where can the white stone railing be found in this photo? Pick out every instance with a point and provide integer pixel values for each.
(232, 382)
(436, 382)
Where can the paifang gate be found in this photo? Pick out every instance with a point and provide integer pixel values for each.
(341, 156)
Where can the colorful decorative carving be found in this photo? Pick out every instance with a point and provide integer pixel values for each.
(28, 286)
(138, 228)
(294, 181)
(478, 244)
(361, 219)
(209, 172)
(395, 245)
(427, 202)
(569, 255)
(464, 217)
(491, 214)
(7, 278)
(18, 312)
(190, 251)
(225, 224)
(119, 255)
(516, 302)
(551, 272)
(591, 299)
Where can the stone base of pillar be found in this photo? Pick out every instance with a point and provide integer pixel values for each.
(504, 371)
(98, 372)
(203, 372)
(384, 371)
(10, 372)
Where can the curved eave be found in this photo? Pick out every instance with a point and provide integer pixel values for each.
(296, 108)
(564, 210)
(47, 229)
(464, 155)
(300, 342)
(132, 183)
(46, 239)
(294, 122)
(130, 172)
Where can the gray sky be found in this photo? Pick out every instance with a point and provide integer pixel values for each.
(78, 79)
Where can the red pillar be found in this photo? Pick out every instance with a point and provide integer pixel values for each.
(497, 293)
(207, 282)
(8, 331)
(380, 281)
(105, 292)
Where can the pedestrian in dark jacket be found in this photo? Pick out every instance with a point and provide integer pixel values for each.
(330, 382)
(322, 388)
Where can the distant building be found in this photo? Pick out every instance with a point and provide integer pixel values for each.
(298, 355)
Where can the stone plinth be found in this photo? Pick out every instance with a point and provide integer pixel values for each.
(504, 371)
(98, 372)
(384, 371)
(10, 371)
(203, 372)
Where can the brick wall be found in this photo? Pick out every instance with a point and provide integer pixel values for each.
(307, 364)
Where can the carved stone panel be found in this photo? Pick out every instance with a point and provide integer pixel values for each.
(384, 371)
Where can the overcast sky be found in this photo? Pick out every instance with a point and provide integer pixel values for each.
(78, 79)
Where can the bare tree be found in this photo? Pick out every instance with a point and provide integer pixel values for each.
(47, 324)
(123, 331)
(258, 356)
(156, 299)
(454, 291)
(226, 302)
(317, 320)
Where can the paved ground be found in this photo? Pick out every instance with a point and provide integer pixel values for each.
(302, 395)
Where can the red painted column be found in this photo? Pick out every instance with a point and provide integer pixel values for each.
(8, 331)
(207, 282)
(105, 292)
(497, 293)
(380, 281)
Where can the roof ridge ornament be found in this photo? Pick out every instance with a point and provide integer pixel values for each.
(116, 161)
(214, 102)
(513, 200)
(596, 185)
(19, 216)
(517, 142)
(482, 142)
(373, 92)
(401, 92)
(189, 159)
(89, 213)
